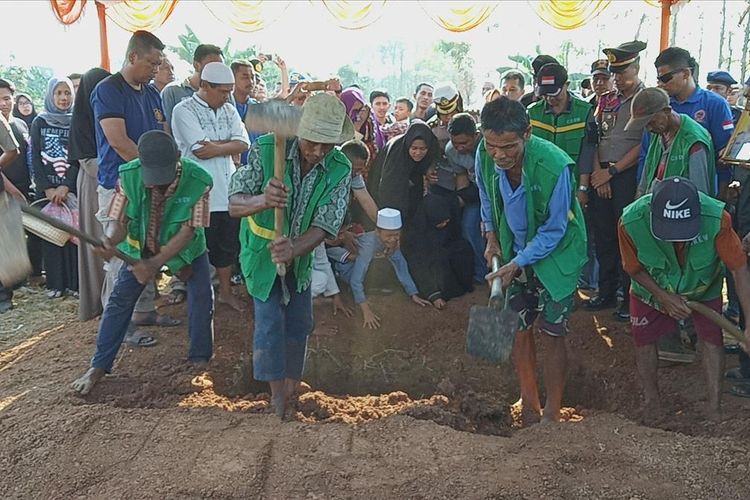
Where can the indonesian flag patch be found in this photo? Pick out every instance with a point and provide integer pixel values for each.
(548, 80)
(727, 125)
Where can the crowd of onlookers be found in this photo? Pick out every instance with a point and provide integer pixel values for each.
(414, 192)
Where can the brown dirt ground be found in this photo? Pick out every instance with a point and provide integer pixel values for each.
(401, 412)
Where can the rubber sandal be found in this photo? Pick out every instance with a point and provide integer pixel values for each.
(138, 340)
(176, 297)
(156, 319)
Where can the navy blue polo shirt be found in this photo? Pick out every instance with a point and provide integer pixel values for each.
(141, 110)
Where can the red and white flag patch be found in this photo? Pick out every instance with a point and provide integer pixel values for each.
(548, 80)
(727, 125)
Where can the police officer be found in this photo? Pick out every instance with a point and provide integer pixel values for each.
(601, 80)
(721, 82)
(614, 176)
(448, 103)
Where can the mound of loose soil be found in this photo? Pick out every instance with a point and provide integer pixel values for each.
(397, 412)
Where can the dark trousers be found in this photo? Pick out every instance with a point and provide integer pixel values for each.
(62, 266)
(6, 294)
(34, 246)
(605, 216)
(744, 358)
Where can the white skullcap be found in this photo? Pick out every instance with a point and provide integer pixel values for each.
(217, 73)
(389, 218)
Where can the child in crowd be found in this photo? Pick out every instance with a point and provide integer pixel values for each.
(401, 113)
(384, 240)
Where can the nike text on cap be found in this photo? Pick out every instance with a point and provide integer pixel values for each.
(675, 210)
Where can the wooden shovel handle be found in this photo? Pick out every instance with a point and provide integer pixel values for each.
(718, 320)
(35, 212)
(279, 159)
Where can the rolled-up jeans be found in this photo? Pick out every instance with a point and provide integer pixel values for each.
(112, 268)
(281, 331)
(119, 308)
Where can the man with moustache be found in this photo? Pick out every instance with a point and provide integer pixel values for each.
(534, 223)
(614, 176)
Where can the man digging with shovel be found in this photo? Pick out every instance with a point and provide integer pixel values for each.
(675, 243)
(161, 207)
(534, 223)
(287, 210)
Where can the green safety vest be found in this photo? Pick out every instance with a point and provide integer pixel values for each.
(178, 209)
(257, 231)
(567, 130)
(703, 275)
(543, 163)
(689, 133)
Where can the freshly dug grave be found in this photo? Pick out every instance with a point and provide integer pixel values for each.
(163, 429)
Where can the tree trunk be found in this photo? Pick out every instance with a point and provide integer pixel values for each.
(673, 29)
(730, 52)
(722, 31)
(743, 61)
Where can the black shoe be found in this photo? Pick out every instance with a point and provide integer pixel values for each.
(600, 302)
(732, 349)
(623, 312)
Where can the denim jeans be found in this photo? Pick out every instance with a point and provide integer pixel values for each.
(472, 232)
(116, 316)
(280, 338)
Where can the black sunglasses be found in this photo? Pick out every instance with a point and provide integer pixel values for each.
(667, 77)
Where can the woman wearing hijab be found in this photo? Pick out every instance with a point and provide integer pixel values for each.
(397, 177)
(440, 260)
(83, 152)
(55, 179)
(24, 109)
(364, 121)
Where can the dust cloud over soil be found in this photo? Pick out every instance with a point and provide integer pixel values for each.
(399, 412)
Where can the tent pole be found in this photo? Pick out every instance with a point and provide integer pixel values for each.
(103, 38)
(666, 14)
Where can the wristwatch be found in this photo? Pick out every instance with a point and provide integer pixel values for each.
(612, 170)
(583, 189)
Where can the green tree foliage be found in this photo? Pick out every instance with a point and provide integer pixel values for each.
(462, 63)
(188, 42)
(32, 80)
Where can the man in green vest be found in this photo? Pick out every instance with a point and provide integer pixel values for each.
(314, 194)
(161, 210)
(674, 245)
(566, 121)
(678, 146)
(534, 223)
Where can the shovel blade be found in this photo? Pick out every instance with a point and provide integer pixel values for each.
(491, 333)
